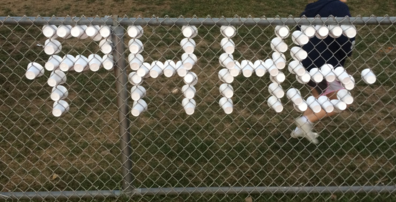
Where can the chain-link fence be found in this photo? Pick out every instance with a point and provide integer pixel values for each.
(80, 129)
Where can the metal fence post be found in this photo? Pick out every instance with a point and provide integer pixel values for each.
(122, 103)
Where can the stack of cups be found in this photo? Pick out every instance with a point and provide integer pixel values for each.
(313, 104)
(276, 90)
(259, 68)
(34, 70)
(78, 31)
(247, 68)
(335, 31)
(300, 38)
(299, 104)
(275, 104)
(183, 67)
(368, 76)
(327, 71)
(282, 31)
(226, 104)
(279, 60)
(327, 106)
(345, 96)
(308, 30)
(321, 31)
(349, 31)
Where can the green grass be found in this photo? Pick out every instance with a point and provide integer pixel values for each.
(250, 147)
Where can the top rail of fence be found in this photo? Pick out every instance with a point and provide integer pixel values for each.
(154, 21)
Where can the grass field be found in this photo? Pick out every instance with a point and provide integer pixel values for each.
(251, 147)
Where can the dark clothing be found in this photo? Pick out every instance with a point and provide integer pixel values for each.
(326, 51)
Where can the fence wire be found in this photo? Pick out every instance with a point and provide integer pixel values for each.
(185, 150)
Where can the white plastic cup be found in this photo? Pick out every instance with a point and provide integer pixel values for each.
(67, 63)
(298, 53)
(189, 31)
(326, 104)
(338, 105)
(189, 105)
(321, 31)
(277, 44)
(92, 31)
(327, 72)
(226, 104)
(135, 31)
(138, 107)
(349, 31)
(247, 68)
(294, 95)
(279, 78)
(34, 70)
(301, 107)
(225, 76)
(316, 75)
(57, 77)
(295, 67)
(282, 31)
(276, 90)
(105, 31)
(106, 46)
(228, 45)
(304, 79)
(78, 31)
(189, 60)
(279, 60)
(49, 31)
(94, 62)
(138, 92)
(59, 92)
(259, 68)
(189, 91)
(135, 46)
(335, 31)
(228, 31)
(64, 31)
(300, 38)
(53, 62)
(180, 69)
(60, 107)
(227, 60)
(191, 79)
(313, 104)
(156, 69)
(345, 96)
(275, 104)
(271, 67)
(342, 75)
(236, 70)
(308, 30)
(135, 61)
(188, 45)
(135, 79)
(81, 63)
(108, 62)
(52, 46)
(226, 90)
(368, 76)
(144, 70)
(169, 68)
(350, 85)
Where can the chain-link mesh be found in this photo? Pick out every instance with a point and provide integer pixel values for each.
(201, 154)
